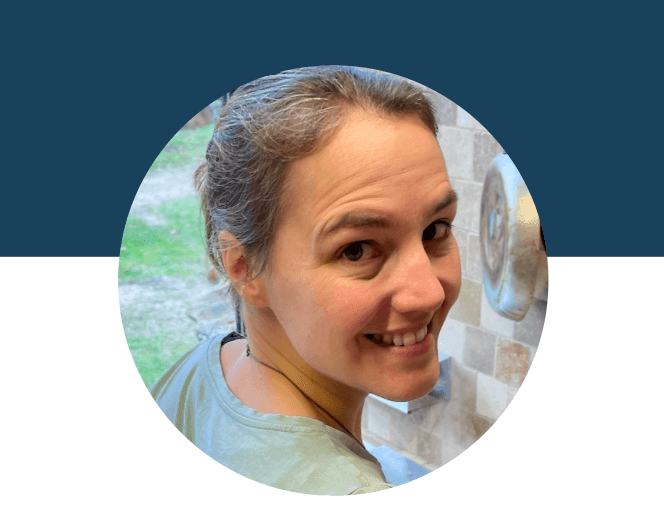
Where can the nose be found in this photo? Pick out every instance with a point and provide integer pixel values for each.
(417, 287)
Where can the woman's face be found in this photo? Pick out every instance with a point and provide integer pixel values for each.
(365, 247)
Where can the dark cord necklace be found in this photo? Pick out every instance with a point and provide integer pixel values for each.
(251, 355)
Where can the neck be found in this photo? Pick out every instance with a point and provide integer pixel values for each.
(284, 370)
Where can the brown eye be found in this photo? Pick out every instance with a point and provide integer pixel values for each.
(354, 252)
(437, 230)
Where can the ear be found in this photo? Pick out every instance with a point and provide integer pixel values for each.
(233, 256)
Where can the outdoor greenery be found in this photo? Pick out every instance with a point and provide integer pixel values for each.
(174, 249)
(183, 147)
(150, 357)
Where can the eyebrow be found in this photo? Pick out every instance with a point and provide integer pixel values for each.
(359, 220)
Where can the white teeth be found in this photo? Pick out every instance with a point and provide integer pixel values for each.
(402, 339)
(409, 339)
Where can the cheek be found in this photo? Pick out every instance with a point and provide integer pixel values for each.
(345, 307)
(311, 308)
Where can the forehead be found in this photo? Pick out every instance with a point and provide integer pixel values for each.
(369, 160)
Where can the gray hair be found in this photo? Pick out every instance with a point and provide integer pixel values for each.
(271, 122)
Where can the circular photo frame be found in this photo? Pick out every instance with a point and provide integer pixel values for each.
(313, 281)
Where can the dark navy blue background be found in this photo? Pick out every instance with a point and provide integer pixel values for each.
(574, 97)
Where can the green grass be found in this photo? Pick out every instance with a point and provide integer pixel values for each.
(175, 249)
(151, 359)
(184, 146)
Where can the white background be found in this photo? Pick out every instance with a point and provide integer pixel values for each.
(81, 433)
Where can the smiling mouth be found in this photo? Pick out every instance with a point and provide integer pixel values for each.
(407, 339)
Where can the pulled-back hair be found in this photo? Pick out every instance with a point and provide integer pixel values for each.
(271, 122)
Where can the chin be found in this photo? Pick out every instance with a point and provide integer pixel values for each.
(411, 391)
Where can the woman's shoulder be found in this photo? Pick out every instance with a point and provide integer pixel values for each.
(178, 377)
(304, 454)
(312, 460)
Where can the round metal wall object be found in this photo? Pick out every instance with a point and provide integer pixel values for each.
(510, 240)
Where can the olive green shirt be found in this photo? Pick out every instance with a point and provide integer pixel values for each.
(288, 452)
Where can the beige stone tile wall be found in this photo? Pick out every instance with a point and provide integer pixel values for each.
(491, 355)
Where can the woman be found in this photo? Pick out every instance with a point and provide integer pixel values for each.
(329, 209)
